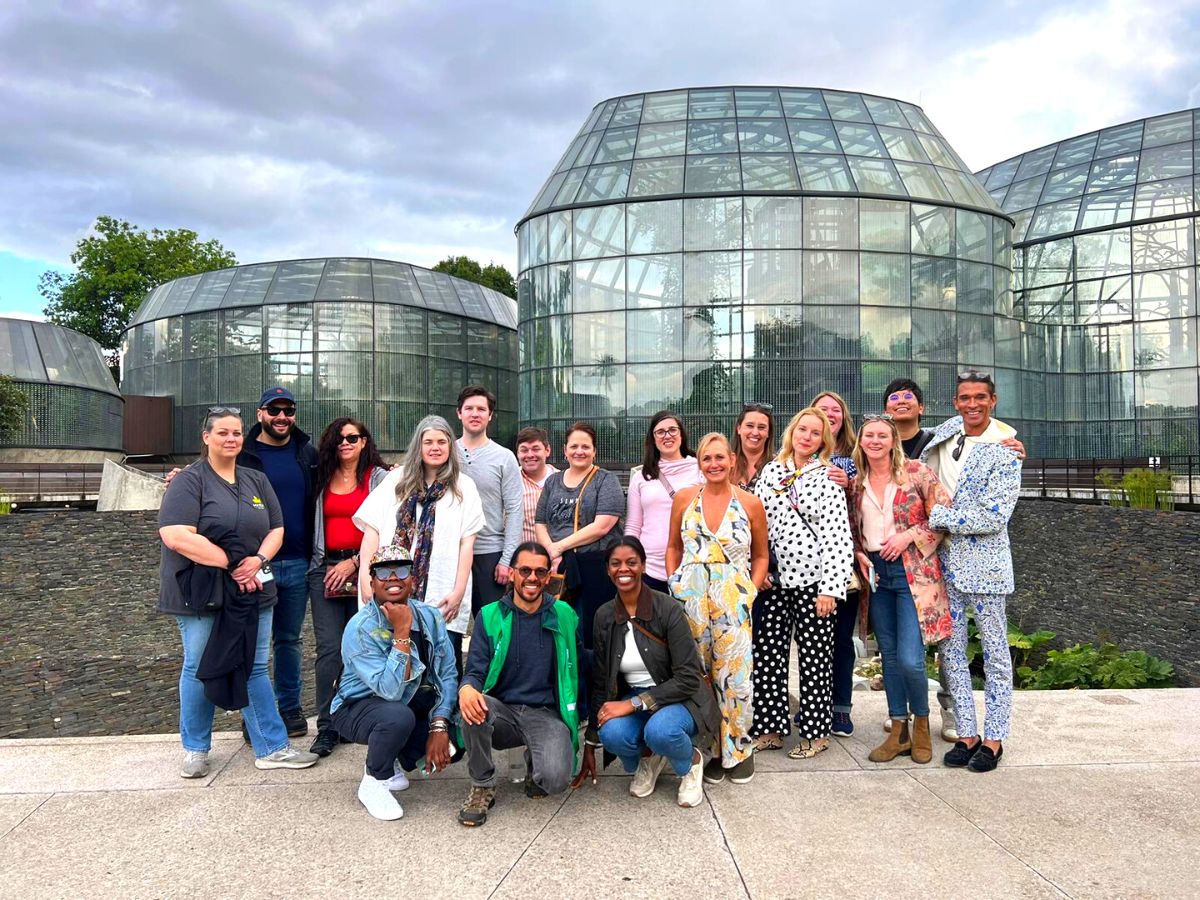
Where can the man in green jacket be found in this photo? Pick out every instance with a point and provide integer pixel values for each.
(520, 686)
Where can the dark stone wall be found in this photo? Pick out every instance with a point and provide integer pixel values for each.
(1098, 573)
(83, 653)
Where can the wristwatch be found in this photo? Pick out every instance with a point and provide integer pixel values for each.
(636, 702)
(266, 563)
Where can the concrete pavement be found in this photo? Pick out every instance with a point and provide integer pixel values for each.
(1096, 797)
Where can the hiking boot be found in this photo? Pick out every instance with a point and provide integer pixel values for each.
(714, 772)
(195, 764)
(743, 771)
(691, 786)
(842, 726)
(646, 776)
(287, 758)
(326, 742)
(475, 810)
(373, 793)
(294, 722)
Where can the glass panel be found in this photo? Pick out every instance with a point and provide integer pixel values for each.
(289, 329)
(876, 176)
(803, 105)
(1036, 163)
(570, 187)
(1165, 162)
(974, 289)
(939, 153)
(814, 136)
(1106, 253)
(628, 111)
(857, 140)
(249, 286)
(1056, 218)
(599, 285)
(1163, 245)
(763, 136)
(1109, 300)
(653, 282)
(769, 173)
(568, 158)
(211, 290)
(181, 292)
(346, 279)
(922, 181)
(934, 334)
(599, 340)
(345, 376)
(773, 277)
(712, 223)
(1111, 173)
(712, 173)
(19, 354)
(345, 325)
(600, 231)
(401, 329)
(1168, 393)
(1048, 263)
(846, 107)
(607, 182)
(1075, 151)
(771, 332)
(710, 278)
(654, 336)
(831, 332)
(1168, 129)
(883, 224)
(885, 111)
(1110, 208)
(1002, 173)
(1065, 183)
(973, 236)
(438, 291)
(976, 345)
(655, 227)
(964, 189)
(559, 236)
(1023, 194)
(932, 230)
(242, 331)
(824, 173)
(717, 136)
(296, 282)
(662, 140)
(831, 222)
(652, 177)
(400, 376)
(446, 337)
(712, 333)
(654, 387)
(917, 120)
(933, 283)
(394, 283)
(773, 221)
(1164, 295)
(666, 107)
(539, 242)
(1166, 344)
(712, 104)
(1164, 198)
(616, 145)
(886, 333)
(757, 102)
(903, 145)
(830, 277)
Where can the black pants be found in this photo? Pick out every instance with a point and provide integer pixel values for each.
(484, 589)
(329, 618)
(391, 730)
(594, 590)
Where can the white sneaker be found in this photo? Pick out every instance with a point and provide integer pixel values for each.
(398, 781)
(646, 776)
(375, 796)
(691, 787)
(195, 764)
(949, 727)
(287, 758)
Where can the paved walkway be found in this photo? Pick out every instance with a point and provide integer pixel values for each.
(1096, 797)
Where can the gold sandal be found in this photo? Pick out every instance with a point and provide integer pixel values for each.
(807, 749)
(768, 742)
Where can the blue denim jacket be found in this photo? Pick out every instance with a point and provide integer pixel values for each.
(371, 666)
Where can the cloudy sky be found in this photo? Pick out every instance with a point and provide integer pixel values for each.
(412, 130)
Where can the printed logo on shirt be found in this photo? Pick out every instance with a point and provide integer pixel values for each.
(257, 503)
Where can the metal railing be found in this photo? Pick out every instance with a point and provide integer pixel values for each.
(67, 483)
(1097, 479)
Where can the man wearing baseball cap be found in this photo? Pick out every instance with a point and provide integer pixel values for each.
(276, 447)
(399, 684)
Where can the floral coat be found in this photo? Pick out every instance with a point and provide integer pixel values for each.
(915, 498)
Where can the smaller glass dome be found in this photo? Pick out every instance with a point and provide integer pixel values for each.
(51, 354)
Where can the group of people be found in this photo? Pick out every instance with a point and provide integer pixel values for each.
(655, 625)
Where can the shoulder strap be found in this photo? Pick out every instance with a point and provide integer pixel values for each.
(647, 632)
(666, 483)
(579, 499)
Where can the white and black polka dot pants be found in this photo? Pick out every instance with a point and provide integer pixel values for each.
(779, 615)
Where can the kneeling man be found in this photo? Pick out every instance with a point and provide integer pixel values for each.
(397, 690)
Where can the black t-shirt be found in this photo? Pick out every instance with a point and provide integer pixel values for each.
(915, 444)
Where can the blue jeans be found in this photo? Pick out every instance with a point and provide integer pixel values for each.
(267, 733)
(668, 731)
(291, 576)
(843, 652)
(894, 618)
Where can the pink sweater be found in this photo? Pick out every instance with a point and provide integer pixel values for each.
(649, 516)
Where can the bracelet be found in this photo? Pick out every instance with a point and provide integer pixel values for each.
(438, 729)
(592, 744)
(405, 641)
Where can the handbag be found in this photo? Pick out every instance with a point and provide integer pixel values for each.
(348, 589)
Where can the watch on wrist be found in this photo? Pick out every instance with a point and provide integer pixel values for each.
(265, 562)
(636, 702)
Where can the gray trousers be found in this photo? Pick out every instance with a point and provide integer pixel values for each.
(945, 698)
(544, 735)
(329, 619)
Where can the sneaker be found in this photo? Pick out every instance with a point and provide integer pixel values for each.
(985, 758)
(743, 771)
(475, 810)
(294, 722)
(195, 764)
(714, 772)
(960, 754)
(949, 727)
(646, 776)
(691, 786)
(399, 780)
(842, 726)
(373, 793)
(326, 742)
(287, 758)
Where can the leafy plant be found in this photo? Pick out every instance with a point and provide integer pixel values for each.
(1085, 666)
(1139, 489)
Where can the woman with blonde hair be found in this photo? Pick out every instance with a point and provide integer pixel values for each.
(431, 507)
(808, 529)
(890, 505)
(716, 564)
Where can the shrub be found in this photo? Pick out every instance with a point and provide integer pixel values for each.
(1085, 666)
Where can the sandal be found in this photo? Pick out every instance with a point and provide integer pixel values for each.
(807, 749)
(768, 742)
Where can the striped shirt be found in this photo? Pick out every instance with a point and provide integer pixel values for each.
(532, 492)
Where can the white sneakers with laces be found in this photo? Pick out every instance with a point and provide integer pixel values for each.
(195, 764)
(646, 776)
(373, 793)
(691, 786)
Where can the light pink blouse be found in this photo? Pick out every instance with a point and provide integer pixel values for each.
(878, 523)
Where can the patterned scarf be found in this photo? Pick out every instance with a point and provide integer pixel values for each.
(419, 534)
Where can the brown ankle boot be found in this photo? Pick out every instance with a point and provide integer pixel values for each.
(897, 743)
(922, 743)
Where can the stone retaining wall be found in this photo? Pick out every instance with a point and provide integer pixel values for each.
(82, 652)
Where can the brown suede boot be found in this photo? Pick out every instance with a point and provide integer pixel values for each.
(922, 743)
(897, 744)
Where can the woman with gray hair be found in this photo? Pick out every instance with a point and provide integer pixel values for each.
(431, 507)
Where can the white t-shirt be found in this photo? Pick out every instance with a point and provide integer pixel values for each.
(949, 468)
(633, 667)
(455, 520)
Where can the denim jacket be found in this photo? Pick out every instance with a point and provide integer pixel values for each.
(977, 558)
(371, 666)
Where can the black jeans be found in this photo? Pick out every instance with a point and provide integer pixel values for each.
(484, 589)
(391, 730)
(843, 652)
(329, 618)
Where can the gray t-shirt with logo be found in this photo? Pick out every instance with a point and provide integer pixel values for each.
(603, 497)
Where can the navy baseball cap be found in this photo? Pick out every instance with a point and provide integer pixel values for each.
(273, 394)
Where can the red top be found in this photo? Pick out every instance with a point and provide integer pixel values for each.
(340, 531)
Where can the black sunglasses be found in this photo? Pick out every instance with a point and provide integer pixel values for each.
(384, 571)
(223, 411)
(754, 406)
(289, 411)
(528, 571)
(956, 453)
(349, 439)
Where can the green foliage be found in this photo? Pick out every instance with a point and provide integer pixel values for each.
(1085, 666)
(1139, 489)
(1025, 645)
(14, 406)
(116, 265)
(492, 275)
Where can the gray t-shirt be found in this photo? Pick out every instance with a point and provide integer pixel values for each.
(603, 497)
(496, 473)
(198, 496)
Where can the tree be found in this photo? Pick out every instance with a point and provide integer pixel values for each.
(14, 404)
(116, 265)
(491, 276)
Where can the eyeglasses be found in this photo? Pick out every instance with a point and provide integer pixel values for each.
(901, 395)
(974, 375)
(223, 411)
(289, 411)
(349, 439)
(877, 417)
(666, 432)
(384, 571)
(956, 453)
(755, 406)
(529, 572)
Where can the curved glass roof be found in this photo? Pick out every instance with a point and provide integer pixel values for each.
(52, 354)
(323, 280)
(742, 140)
(1127, 173)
